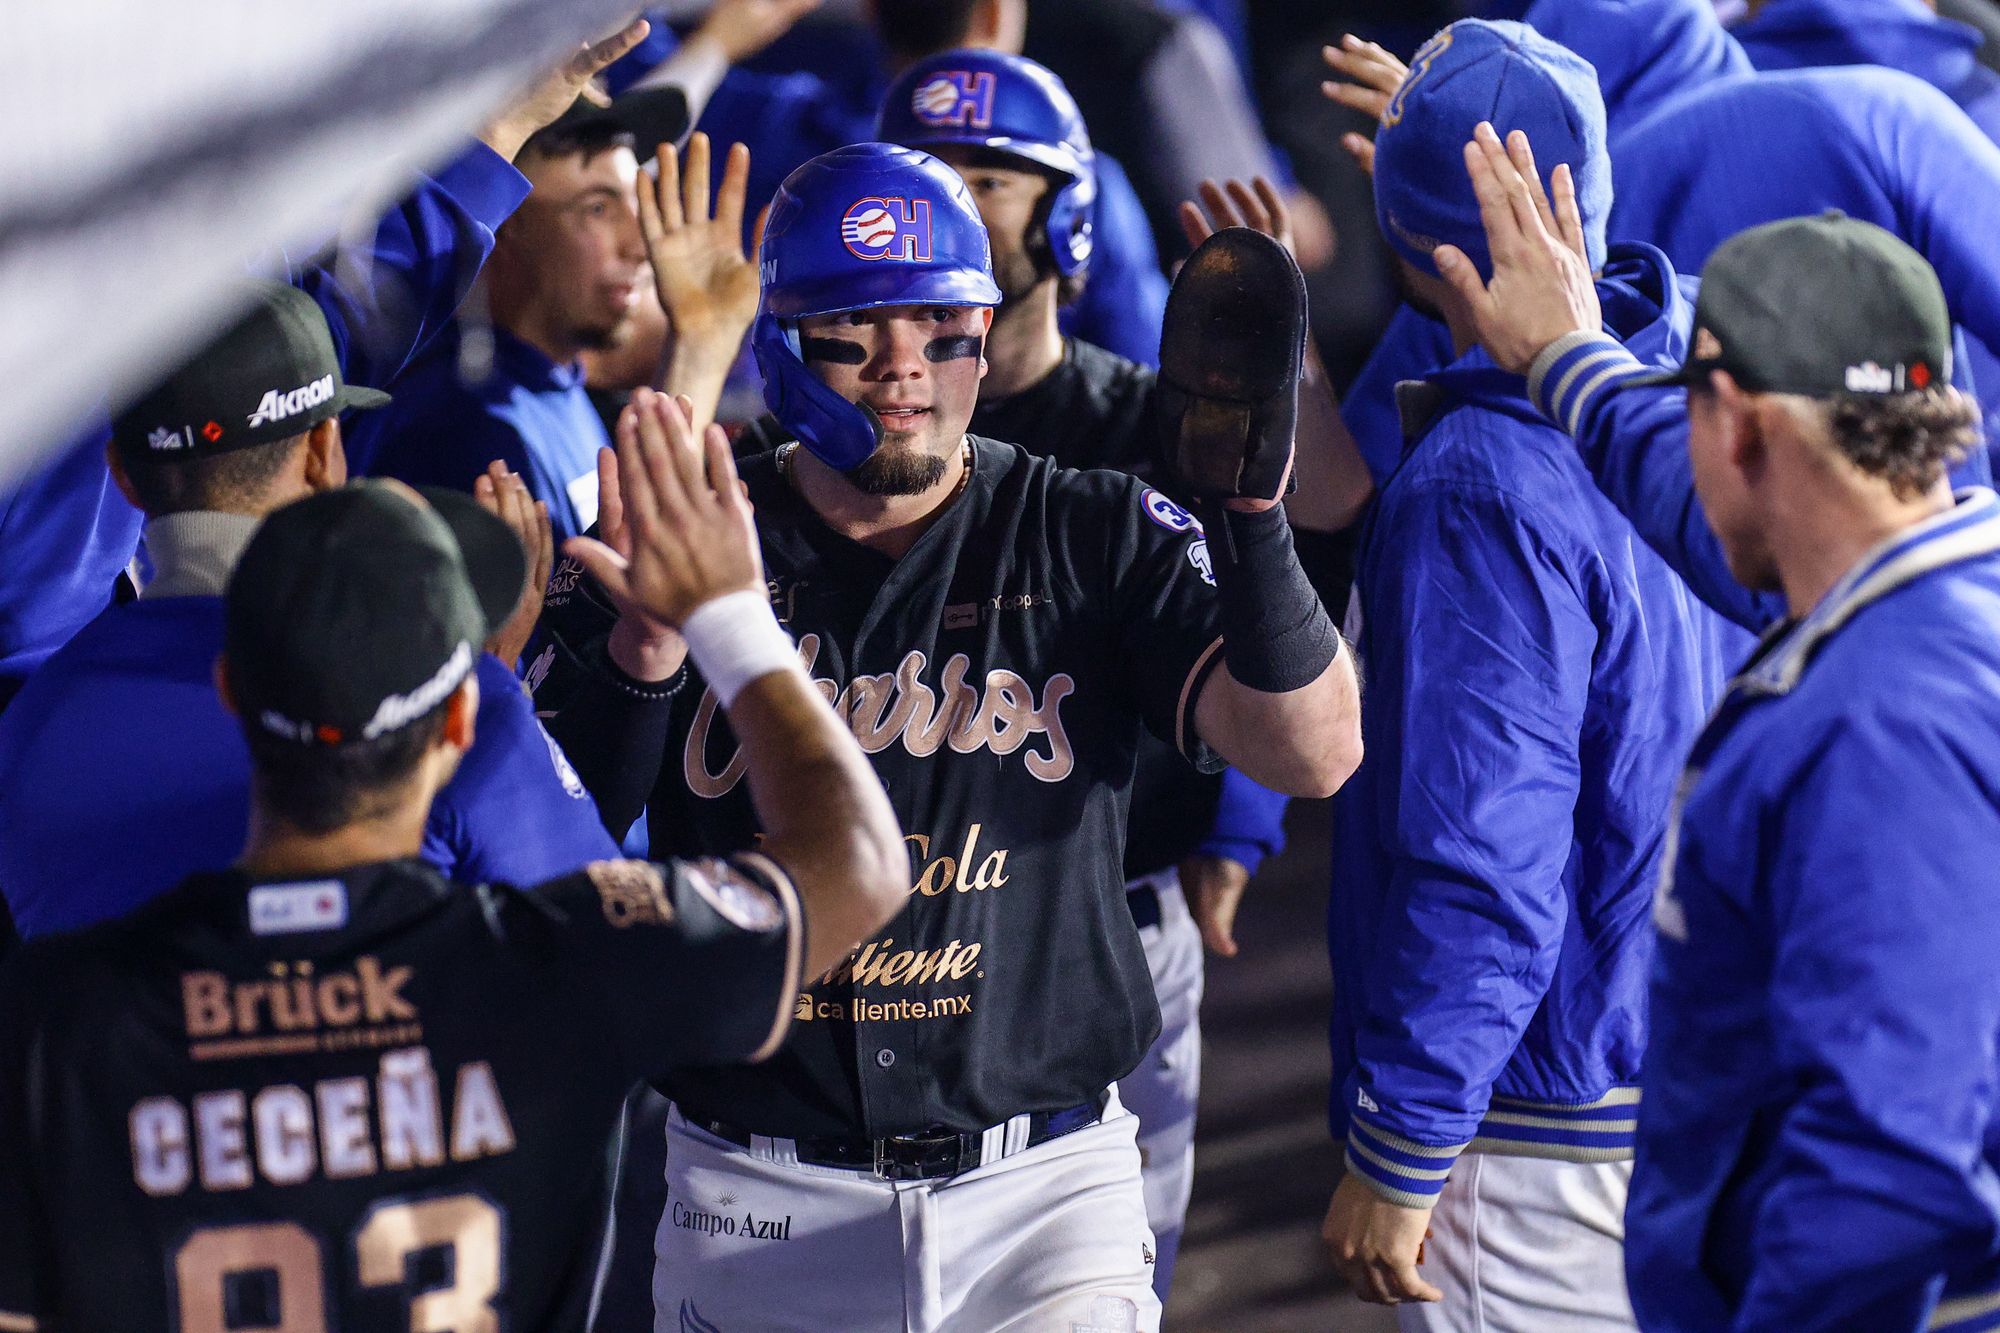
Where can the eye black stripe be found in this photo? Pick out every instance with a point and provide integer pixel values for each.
(952, 348)
(837, 350)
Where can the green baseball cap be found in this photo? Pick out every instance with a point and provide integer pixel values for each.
(1820, 306)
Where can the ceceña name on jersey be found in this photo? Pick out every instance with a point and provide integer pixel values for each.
(285, 1134)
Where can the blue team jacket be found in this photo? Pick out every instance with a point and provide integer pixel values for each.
(1535, 675)
(454, 414)
(1820, 1145)
(1874, 143)
(66, 533)
(1645, 52)
(125, 775)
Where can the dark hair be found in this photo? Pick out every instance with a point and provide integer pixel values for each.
(585, 140)
(916, 28)
(1906, 439)
(236, 481)
(320, 788)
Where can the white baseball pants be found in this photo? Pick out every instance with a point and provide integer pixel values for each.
(1163, 1090)
(1052, 1239)
(1526, 1245)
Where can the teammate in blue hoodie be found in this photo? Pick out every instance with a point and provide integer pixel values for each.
(1644, 52)
(124, 773)
(1535, 675)
(1818, 1145)
(1906, 35)
(1874, 143)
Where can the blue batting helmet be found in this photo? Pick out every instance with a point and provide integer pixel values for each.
(1012, 105)
(868, 225)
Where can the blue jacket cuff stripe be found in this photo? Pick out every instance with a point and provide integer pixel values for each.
(1974, 1313)
(1401, 1151)
(1410, 1189)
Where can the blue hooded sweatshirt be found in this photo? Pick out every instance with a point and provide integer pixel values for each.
(1896, 34)
(125, 776)
(1644, 51)
(1875, 144)
(1535, 676)
(1820, 1146)
(66, 532)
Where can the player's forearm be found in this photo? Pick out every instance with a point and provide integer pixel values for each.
(1286, 708)
(1304, 742)
(826, 818)
(699, 365)
(1334, 482)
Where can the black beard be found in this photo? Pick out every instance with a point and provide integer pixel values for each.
(897, 473)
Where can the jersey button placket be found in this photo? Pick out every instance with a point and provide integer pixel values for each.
(885, 1058)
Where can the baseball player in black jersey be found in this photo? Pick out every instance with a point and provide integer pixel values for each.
(328, 1089)
(941, 1128)
(1012, 131)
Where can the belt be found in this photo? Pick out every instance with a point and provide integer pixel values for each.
(1144, 900)
(927, 1155)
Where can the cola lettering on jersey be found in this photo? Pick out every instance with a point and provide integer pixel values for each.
(339, 1128)
(900, 706)
(967, 872)
(298, 1010)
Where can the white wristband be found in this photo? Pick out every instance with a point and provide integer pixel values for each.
(734, 639)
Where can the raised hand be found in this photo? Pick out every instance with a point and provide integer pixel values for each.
(504, 495)
(554, 94)
(707, 284)
(682, 517)
(742, 28)
(1542, 287)
(1369, 77)
(1258, 206)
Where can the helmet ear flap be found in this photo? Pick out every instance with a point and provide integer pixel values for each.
(1068, 225)
(839, 433)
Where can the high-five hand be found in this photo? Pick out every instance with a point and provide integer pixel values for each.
(1369, 77)
(687, 524)
(1542, 286)
(547, 100)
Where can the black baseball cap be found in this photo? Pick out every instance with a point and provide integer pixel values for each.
(354, 612)
(1819, 306)
(271, 374)
(652, 116)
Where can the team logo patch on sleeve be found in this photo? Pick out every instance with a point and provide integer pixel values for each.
(1167, 513)
(1203, 562)
(736, 898)
(632, 893)
(894, 229)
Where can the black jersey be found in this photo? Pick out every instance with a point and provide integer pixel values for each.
(999, 675)
(1095, 409)
(378, 1102)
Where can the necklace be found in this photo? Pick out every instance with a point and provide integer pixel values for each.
(791, 447)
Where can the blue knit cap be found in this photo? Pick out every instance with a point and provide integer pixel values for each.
(1502, 72)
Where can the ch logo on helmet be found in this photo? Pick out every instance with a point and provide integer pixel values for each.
(955, 97)
(1420, 65)
(888, 229)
